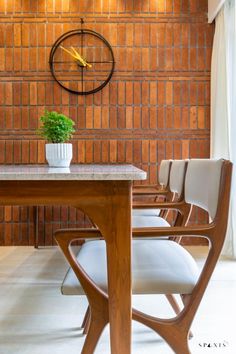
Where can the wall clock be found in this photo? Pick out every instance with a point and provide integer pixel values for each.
(82, 61)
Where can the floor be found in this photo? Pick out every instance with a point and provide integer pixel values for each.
(36, 319)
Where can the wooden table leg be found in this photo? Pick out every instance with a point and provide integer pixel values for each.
(108, 205)
(119, 272)
(36, 227)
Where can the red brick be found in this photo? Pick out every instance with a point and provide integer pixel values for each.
(8, 234)
(121, 93)
(105, 151)
(137, 59)
(129, 117)
(169, 149)
(137, 118)
(185, 117)
(81, 151)
(145, 93)
(121, 118)
(177, 150)
(121, 151)
(17, 118)
(25, 117)
(25, 151)
(201, 117)
(97, 117)
(161, 150)
(137, 150)
(2, 7)
(113, 151)
(129, 34)
(105, 117)
(160, 93)
(169, 118)
(113, 93)
(145, 117)
(153, 117)
(145, 151)
(97, 151)
(9, 151)
(17, 151)
(89, 117)
(113, 117)
(160, 118)
(177, 118)
(193, 117)
(153, 33)
(129, 152)
(8, 118)
(2, 153)
(89, 151)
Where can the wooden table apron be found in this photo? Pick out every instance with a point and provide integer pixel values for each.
(108, 204)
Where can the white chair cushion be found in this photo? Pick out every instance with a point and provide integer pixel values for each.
(158, 267)
(145, 212)
(149, 221)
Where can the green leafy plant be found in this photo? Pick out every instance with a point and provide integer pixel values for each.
(56, 127)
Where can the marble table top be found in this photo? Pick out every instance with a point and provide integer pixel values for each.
(81, 172)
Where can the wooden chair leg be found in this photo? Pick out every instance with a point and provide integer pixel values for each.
(175, 306)
(185, 299)
(85, 317)
(87, 323)
(170, 330)
(95, 329)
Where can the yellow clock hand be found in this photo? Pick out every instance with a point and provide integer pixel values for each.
(76, 56)
(80, 58)
(69, 52)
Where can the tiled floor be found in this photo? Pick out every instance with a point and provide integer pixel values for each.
(36, 319)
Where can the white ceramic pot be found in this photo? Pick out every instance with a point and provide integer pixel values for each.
(59, 155)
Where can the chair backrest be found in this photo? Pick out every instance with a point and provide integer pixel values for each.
(164, 173)
(202, 184)
(177, 177)
(176, 188)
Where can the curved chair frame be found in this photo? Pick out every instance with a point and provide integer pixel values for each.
(175, 331)
(157, 189)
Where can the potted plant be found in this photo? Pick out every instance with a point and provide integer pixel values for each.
(56, 128)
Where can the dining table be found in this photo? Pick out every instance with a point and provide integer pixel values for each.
(104, 194)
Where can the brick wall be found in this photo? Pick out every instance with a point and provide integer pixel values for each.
(156, 105)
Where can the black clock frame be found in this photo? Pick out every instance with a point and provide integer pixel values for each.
(81, 32)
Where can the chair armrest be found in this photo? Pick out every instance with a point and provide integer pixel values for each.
(163, 205)
(149, 190)
(64, 237)
(199, 230)
(157, 186)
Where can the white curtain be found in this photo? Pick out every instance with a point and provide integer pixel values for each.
(223, 105)
(214, 6)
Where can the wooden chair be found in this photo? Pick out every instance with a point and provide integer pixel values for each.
(161, 189)
(176, 195)
(169, 268)
(154, 214)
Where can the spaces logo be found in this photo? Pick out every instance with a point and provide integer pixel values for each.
(213, 344)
